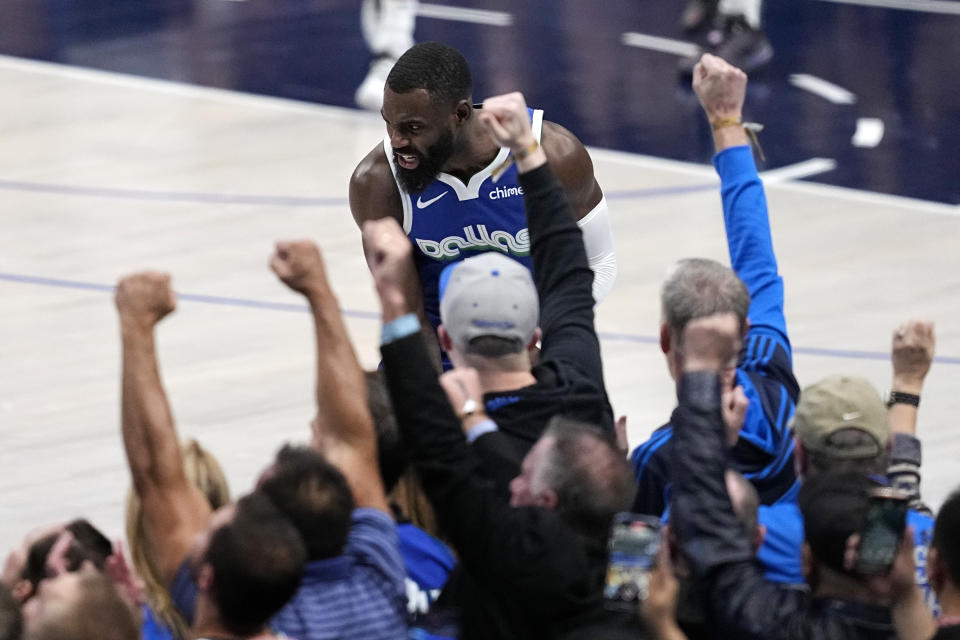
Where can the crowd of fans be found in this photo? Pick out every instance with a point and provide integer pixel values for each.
(490, 501)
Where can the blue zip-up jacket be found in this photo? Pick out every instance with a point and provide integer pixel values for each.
(764, 452)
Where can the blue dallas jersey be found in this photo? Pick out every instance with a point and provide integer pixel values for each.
(450, 221)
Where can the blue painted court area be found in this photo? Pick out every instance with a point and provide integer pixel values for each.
(892, 71)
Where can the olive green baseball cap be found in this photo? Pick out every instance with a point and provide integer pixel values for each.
(836, 406)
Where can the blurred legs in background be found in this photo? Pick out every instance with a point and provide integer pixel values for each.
(730, 29)
(387, 27)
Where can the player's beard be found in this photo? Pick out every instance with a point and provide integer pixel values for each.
(429, 165)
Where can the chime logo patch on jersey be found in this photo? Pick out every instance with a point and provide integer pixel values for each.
(476, 238)
(505, 192)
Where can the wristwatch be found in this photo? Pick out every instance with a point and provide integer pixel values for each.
(469, 408)
(898, 397)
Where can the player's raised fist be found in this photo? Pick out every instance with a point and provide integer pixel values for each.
(720, 86)
(298, 264)
(145, 297)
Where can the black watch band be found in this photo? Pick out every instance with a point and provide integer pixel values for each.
(898, 397)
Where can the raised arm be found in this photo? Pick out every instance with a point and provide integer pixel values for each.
(491, 538)
(343, 429)
(721, 89)
(741, 602)
(912, 354)
(561, 272)
(174, 511)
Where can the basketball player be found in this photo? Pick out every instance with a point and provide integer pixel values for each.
(443, 178)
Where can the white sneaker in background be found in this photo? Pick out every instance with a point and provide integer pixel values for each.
(370, 92)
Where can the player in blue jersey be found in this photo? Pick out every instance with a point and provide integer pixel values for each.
(762, 446)
(436, 174)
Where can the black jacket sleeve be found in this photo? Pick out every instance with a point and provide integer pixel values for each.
(525, 548)
(741, 603)
(562, 275)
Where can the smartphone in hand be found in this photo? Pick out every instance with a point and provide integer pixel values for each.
(633, 544)
(883, 528)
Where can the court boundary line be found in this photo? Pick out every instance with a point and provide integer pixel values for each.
(774, 176)
(267, 305)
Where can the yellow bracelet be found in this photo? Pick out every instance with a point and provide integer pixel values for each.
(751, 128)
(524, 153)
(519, 155)
(726, 122)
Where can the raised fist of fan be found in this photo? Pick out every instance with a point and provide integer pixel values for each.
(710, 343)
(389, 257)
(721, 88)
(507, 120)
(145, 298)
(299, 265)
(914, 345)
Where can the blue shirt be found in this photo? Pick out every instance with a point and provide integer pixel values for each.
(153, 629)
(780, 552)
(428, 564)
(764, 450)
(359, 594)
(450, 221)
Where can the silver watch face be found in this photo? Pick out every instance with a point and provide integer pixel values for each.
(470, 406)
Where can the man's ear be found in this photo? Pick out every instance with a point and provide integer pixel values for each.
(446, 342)
(463, 111)
(537, 336)
(665, 338)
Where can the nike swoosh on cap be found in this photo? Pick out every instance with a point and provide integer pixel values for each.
(853, 415)
(423, 205)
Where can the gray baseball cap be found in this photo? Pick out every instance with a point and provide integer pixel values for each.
(488, 295)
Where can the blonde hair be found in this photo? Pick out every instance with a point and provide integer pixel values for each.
(204, 472)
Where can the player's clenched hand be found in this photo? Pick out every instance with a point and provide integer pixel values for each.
(389, 257)
(720, 86)
(145, 298)
(299, 265)
(507, 120)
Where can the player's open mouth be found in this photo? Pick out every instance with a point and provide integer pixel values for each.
(407, 161)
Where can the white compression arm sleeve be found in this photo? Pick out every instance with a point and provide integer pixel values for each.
(598, 241)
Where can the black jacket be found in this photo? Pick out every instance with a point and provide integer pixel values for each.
(739, 601)
(523, 573)
(569, 372)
